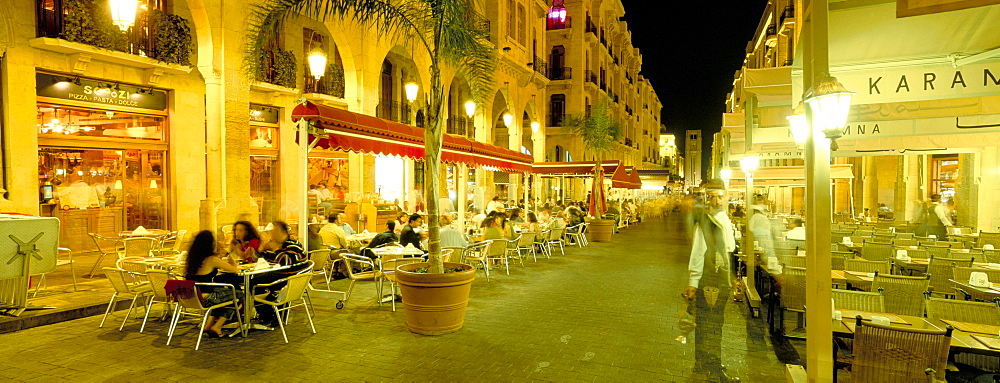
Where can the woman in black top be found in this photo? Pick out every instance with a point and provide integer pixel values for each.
(202, 266)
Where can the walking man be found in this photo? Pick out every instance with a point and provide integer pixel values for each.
(937, 218)
(710, 278)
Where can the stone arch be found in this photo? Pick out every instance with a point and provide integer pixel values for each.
(458, 93)
(204, 38)
(500, 132)
(352, 76)
(398, 68)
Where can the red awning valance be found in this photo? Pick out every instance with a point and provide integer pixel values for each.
(579, 168)
(361, 133)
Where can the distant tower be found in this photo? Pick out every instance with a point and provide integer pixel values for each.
(692, 155)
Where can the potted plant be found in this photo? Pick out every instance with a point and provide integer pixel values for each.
(435, 302)
(449, 33)
(601, 132)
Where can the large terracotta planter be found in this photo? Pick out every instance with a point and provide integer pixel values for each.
(435, 303)
(601, 230)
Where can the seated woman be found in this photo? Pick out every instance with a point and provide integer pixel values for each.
(246, 242)
(534, 226)
(491, 229)
(202, 266)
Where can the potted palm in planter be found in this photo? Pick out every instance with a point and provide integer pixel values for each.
(450, 33)
(601, 132)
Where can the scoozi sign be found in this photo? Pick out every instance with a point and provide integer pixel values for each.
(84, 90)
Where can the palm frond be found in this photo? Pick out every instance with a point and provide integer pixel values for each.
(266, 21)
(465, 45)
(600, 131)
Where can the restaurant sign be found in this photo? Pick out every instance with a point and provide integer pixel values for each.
(99, 92)
(263, 115)
(896, 128)
(921, 82)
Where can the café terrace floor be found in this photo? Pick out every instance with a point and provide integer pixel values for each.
(607, 312)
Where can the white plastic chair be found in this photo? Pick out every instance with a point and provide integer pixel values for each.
(497, 251)
(352, 260)
(59, 262)
(525, 242)
(158, 283)
(555, 238)
(477, 252)
(294, 291)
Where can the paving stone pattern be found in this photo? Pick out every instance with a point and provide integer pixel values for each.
(607, 312)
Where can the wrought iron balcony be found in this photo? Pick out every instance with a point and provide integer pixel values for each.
(590, 76)
(461, 125)
(332, 83)
(479, 20)
(540, 66)
(560, 73)
(788, 13)
(156, 34)
(392, 110)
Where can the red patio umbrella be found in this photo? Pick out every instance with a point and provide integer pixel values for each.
(598, 202)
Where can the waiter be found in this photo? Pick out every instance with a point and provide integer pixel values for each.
(710, 277)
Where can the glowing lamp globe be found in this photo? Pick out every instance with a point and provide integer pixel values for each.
(508, 119)
(317, 63)
(470, 109)
(123, 13)
(830, 103)
(750, 163)
(800, 127)
(535, 126)
(411, 89)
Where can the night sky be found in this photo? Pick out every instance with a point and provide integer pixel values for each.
(691, 50)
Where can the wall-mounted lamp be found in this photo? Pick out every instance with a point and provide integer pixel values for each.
(470, 108)
(411, 89)
(508, 119)
(535, 126)
(123, 13)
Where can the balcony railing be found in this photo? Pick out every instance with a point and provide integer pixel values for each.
(279, 67)
(392, 110)
(540, 66)
(156, 34)
(560, 73)
(332, 83)
(604, 84)
(479, 20)
(461, 125)
(590, 76)
(556, 119)
(788, 13)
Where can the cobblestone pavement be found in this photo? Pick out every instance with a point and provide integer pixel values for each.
(607, 312)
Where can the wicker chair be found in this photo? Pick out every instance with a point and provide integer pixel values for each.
(864, 266)
(874, 251)
(991, 256)
(904, 242)
(785, 251)
(888, 354)
(903, 295)
(858, 300)
(963, 311)
(793, 294)
(837, 261)
(793, 261)
(940, 271)
(962, 273)
(988, 238)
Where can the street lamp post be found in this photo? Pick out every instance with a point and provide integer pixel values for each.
(749, 165)
(123, 13)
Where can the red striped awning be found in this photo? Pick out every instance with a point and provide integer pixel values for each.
(361, 133)
(571, 169)
(620, 178)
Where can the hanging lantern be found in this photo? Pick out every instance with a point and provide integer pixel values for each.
(123, 13)
(470, 108)
(535, 126)
(508, 119)
(317, 63)
(411, 89)
(830, 104)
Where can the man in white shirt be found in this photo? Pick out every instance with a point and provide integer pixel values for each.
(477, 220)
(710, 278)
(342, 218)
(324, 192)
(494, 205)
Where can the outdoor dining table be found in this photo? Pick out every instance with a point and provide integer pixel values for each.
(153, 233)
(966, 337)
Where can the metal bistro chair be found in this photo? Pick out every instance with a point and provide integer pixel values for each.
(59, 262)
(192, 305)
(497, 251)
(526, 242)
(456, 254)
(477, 252)
(573, 235)
(158, 283)
(291, 296)
(352, 260)
(889, 354)
(388, 273)
(102, 250)
(903, 295)
(137, 247)
(321, 264)
(176, 242)
(541, 242)
(555, 238)
(123, 289)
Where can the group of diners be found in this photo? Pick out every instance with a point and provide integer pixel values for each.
(205, 263)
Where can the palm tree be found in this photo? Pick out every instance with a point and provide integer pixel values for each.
(450, 32)
(600, 131)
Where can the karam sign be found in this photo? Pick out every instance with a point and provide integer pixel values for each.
(921, 83)
(99, 92)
